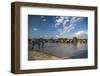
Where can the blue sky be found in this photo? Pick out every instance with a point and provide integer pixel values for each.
(41, 26)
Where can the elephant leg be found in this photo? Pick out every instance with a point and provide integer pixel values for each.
(33, 47)
(39, 46)
(42, 45)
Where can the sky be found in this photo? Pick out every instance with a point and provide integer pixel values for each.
(42, 26)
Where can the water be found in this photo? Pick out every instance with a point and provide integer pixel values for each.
(64, 50)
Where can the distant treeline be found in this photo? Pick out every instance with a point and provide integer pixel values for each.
(59, 40)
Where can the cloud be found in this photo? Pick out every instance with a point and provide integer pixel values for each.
(44, 20)
(35, 29)
(71, 28)
(81, 34)
(76, 19)
(42, 16)
(57, 36)
(67, 29)
(66, 24)
(59, 20)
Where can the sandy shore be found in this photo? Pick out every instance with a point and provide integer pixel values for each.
(38, 55)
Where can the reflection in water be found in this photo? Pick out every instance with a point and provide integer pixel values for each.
(64, 50)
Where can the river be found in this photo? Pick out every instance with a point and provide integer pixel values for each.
(65, 50)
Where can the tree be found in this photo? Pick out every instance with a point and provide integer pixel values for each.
(75, 39)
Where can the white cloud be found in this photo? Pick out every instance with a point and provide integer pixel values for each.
(81, 34)
(42, 16)
(59, 21)
(65, 21)
(76, 19)
(57, 36)
(67, 24)
(35, 29)
(71, 28)
(57, 17)
(44, 20)
(67, 29)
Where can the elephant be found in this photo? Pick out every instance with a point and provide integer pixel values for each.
(38, 42)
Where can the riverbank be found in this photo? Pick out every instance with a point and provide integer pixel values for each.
(39, 55)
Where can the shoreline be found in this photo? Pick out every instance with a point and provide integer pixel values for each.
(39, 55)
